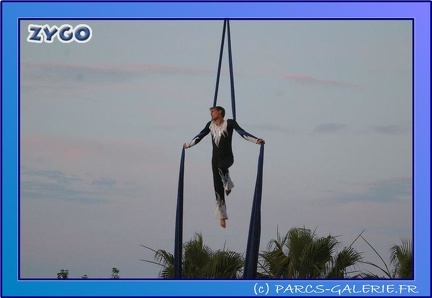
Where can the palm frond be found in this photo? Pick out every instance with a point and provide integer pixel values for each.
(386, 271)
(402, 258)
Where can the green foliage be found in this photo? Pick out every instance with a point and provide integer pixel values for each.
(299, 254)
(115, 273)
(200, 261)
(63, 274)
(302, 254)
(401, 257)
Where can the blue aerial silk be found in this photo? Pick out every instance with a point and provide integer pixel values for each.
(252, 249)
(179, 222)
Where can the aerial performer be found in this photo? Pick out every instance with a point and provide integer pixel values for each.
(222, 156)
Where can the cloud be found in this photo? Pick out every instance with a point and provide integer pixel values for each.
(102, 167)
(389, 129)
(53, 191)
(329, 128)
(53, 71)
(53, 147)
(105, 182)
(311, 80)
(270, 127)
(51, 175)
(54, 80)
(384, 191)
(55, 185)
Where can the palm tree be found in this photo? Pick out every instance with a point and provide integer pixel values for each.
(301, 254)
(200, 261)
(402, 259)
(225, 264)
(196, 257)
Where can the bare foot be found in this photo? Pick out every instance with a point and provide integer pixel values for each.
(227, 192)
(223, 223)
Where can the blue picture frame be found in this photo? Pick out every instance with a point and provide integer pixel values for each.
(11, 14)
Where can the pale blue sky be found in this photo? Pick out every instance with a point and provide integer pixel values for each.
(102, 125)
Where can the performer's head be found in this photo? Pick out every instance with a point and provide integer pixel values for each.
(217, 112)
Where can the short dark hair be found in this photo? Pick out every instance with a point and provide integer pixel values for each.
(219, 108)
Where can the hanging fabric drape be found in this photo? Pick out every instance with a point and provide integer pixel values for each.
(252, 249)
(231, 71)
(219, 64)
(178, 241)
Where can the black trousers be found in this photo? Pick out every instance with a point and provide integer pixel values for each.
(222, 164)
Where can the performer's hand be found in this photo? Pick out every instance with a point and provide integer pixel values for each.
(260, 141)
(185, 146)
